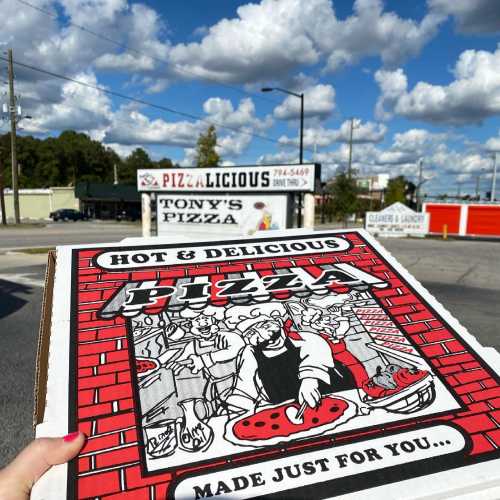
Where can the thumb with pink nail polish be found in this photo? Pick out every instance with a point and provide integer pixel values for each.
(17, 479)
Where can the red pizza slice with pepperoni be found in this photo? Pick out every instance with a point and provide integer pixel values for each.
(145, 366)
(279, 423)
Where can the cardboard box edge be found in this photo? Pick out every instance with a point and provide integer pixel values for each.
(42, 356)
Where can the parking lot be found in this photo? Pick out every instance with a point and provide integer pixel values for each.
(51, 234)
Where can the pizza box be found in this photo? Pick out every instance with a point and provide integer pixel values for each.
(193, 368)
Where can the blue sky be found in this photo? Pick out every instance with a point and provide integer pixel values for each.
(421, 79)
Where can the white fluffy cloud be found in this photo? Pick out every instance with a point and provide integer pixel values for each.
(471, 16)
(319, 102)
(280, 157)
(443, 166)
(222, 111)
(41, 40)
(79, 108)
(130, 126)
(267, 40)
(234, 144)
(321, 137)
(473, 96)
(372, 32)
(393, 85)
(493, 144)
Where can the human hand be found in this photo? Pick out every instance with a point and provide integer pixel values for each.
(170, 329)
(178, 366)
(309, 392)
(311, 316)
(221, 341)
(17, 479)
(196, 363)
(174, 332)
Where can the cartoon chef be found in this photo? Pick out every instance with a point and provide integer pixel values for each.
(257, 219)
(210, 356)
(325, 315)
(273, 367)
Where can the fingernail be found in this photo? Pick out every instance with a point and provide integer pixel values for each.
(71, 436)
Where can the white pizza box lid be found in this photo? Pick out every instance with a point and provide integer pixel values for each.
(479, 481)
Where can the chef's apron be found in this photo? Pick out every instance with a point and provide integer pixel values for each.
(279, 375)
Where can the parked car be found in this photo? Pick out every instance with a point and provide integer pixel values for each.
(67, 214)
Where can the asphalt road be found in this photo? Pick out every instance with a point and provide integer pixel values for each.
(21, 287)
(66, 233)
(463, 275)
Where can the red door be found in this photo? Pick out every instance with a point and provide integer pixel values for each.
(441, 214)
(484, 220)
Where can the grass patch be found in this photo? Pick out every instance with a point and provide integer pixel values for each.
(33, 251)
(26, 225)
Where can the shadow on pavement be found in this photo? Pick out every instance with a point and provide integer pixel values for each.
(9, 302)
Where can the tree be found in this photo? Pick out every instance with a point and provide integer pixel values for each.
(134, 161)
(59, 161)
(344, 193)
(400, 189)
(206, 155)
(164, 163)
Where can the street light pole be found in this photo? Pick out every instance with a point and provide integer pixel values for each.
(301, 129)
(301, 160)
(301, 139)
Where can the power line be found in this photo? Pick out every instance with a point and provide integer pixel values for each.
(127, 48)
(144, 102)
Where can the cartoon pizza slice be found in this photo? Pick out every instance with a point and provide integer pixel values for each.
(274, 424)
(145, 366)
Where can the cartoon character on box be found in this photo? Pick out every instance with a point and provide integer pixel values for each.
(323, 315)
(205, 367)
(276, 366)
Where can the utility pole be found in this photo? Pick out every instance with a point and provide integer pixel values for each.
(494, 178)
(350, 150)
(478, 177)
(12, 115)
(2, 197)
(115, 172)
(419, 184)
(352, 127)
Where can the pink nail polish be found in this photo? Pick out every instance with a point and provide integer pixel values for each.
(71, 436)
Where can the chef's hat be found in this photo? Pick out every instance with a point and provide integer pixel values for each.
(334, 299)
(217, 312)
(244, 317)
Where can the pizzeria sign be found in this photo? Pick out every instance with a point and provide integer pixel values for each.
(297, 178)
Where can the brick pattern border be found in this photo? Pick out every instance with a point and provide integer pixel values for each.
(109, 465)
